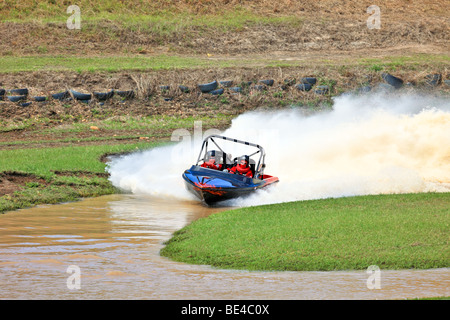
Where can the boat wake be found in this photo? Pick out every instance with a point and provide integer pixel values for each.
(368, 144)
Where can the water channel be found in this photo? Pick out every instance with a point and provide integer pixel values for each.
(114, 243)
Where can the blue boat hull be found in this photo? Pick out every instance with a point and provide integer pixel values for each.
(212, 186)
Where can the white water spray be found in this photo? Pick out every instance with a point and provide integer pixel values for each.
(368, 144)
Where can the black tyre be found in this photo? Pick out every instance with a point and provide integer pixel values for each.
(217, 92)
(397, 83)
(208, 87)
(20, 92)
(81, 96)
(304, 86)
(16, 98)
(267, 82)
(103, 96)
(61, 95)
(259, 87)
(184, 89)
(39, 98)
(311, 80)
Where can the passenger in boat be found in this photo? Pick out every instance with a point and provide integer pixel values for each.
(242, 167)
(210, 161)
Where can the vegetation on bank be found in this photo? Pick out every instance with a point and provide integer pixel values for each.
(54, 175)
(158, 16)
(79, 64)
(391, 231)
(59, 163)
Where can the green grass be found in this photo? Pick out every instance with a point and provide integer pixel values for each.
(104, 63)
(41, 161)
(153, 124)
(153, 15)
(82, 164)
(116, 63)
(390, 231)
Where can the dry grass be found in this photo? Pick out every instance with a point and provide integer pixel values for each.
(218, 26)
(409, 9)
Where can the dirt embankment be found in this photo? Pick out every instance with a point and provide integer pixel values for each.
(315, 26)
(159, 93)
(323, 35)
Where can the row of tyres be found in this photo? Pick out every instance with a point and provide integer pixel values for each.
(20, 95)
(214, 88)
(218, 87)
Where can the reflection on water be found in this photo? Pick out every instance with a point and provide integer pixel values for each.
(115, 242)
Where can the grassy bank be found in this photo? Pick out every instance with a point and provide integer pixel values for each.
(390, 231)
(46, 162)
(114, 63)
(53, 175)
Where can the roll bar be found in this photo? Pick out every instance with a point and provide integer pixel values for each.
(261, 162)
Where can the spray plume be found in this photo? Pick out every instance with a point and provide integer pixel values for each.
(368, 144)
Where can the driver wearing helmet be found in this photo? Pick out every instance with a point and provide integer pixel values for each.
(242, 167)
(210, 161)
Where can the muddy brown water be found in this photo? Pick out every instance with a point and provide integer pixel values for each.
(113, 242)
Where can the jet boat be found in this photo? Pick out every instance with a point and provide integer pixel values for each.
(216, 182)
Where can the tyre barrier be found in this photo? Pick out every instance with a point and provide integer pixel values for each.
(16, 98)
(267, 82)
(259, 87)
(311, 80)
(208, 87)
(39, 98)
(217, 92)
(226, 84)
(321, 90)
(184, 89)
(397, 83)
(390, 83)
(19, 92)
(80, 96)
(303, 86)
(103, 96)
(61, 95)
